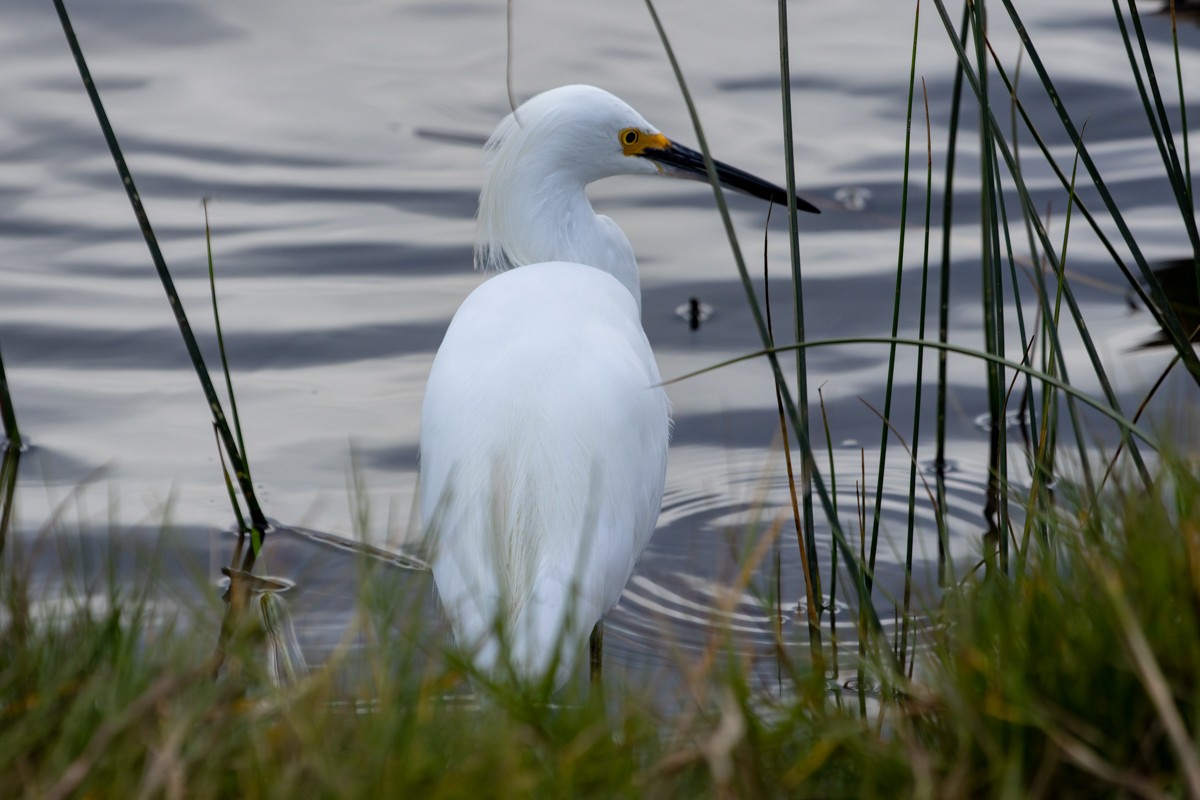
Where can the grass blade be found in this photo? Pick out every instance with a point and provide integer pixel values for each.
(1171, 324)
(891, 368)
(212, 286)
(1128, 428)
(944, 283)
(854, 565)
(809, 543)
(243, 476)
(1027, 205)
(8, 416)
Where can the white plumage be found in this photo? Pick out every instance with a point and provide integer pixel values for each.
(544, 431)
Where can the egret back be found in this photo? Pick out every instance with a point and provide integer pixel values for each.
(543, 454)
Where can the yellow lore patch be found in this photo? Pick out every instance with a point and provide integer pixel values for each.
(634, 141)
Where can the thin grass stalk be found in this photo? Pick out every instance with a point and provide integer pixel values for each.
(900, 644)
(793, 242)
(12, 434)
(1066, 182)
(1027, 203)
(1043, 472)
(887, 397)
(1142, 406)
(1128, 428)
(944, 285)
(1162, 130)
(807, 561)
(1183, 123)
(808, 539)
(1041, 469)
(1061, 288)
(229, 487)
(854, 566)
(10, 460)
(1054, 360)
(1034, 254)
(787, 457)
(992, 289)
(914, 462)
(833, 551)
(896, 297)
(1163, 315)
(1028, 341)
(1167, 318)
(212, 287)
(243, 477)
(1179, 175)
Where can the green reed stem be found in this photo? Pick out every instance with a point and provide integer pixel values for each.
(8, 416)
(1160, 123)
(1183, 123)
(10, 458)
(889, 385)
(833, 551)
(1054, 359)
(808, 541)
(992, 289)
(944, 284)
(1044, 431)
(891, 371)
(914, 446)
(229, 487)
(1170, 321)
(854, 566)
(1128, 428)
(808, 562)
(212, 287)
(243, 476)
(1027, 205)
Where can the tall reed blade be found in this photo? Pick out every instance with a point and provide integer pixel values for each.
(237, 421)
(1170, 321)
(243, 476)
(789, 157)
(1003, 151)
(940, 460)
(854, 565)
(8, 416)
(889, 385)
(10, 456)
(1160, 123)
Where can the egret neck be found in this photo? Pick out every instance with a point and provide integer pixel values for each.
(528, 216)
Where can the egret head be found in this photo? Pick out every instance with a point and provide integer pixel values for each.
(533, 206)
(582, 133)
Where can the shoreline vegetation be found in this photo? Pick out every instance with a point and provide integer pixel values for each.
(1064, 665)
(1073, 676)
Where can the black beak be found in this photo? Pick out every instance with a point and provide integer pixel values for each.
(683, 162)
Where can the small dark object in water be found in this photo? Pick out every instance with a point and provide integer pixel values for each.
(1178, 280)
(694, 312)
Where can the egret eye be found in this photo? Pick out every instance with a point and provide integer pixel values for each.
(629, 137)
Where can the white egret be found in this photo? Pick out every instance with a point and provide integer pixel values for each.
(544, 429)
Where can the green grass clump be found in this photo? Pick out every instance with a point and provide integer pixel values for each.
(1077, 676)
(1073, 676)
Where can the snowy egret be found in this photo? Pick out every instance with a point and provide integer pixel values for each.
(544, 429)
